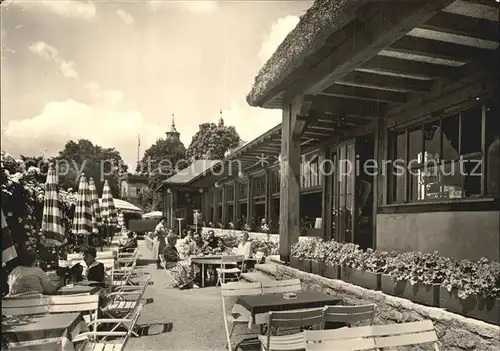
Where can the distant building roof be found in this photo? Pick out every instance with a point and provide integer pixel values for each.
(195, 169)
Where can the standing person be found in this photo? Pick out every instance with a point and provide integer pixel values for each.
(30, 279)
(160, 234)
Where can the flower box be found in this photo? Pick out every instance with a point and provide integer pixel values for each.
(485, 309)
(317, 267)
(361, 278)
(331, 271)
(425, 294)
(303, 265)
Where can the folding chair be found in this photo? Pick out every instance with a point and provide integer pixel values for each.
(239, 315)
(290, 319)
(372, 337)
(223, 270)
(281, 286)
(88, 304)
(29, 304)
(350, 314)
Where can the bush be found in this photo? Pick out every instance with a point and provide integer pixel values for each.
(417, 267)
(305, 249)
(375, 261)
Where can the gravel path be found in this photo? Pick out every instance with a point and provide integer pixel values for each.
(196, 316)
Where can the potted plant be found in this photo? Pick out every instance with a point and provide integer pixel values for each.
(352, 267)
(318, 257)
(301, 255)
(332, 260)
(416, 276)
(472, 289)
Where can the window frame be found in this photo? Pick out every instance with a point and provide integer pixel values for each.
(441, 162)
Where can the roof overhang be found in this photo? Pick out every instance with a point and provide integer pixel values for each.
(369, 56)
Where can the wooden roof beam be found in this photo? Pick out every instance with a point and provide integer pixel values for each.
(344, 107)
(348, 91)
(387, 82)
(390, 21)
(437, 49)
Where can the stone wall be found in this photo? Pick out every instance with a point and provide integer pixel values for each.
(455, 332)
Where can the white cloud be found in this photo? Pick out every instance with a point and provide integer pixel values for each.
(65, 8)
(195, 6)
(61, 121)
(110, 97)
(276, 35)
(125, 16)
(50, 53)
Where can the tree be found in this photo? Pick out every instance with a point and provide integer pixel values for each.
(93, 160)
(212, 142)
(160, 161)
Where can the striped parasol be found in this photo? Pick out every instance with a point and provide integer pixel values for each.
(96, 208)
(52, 227)
(8, 250)
(82, 219)
(108, 209)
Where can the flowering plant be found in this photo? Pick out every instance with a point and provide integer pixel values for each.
(481, 278)
(418, 267)
(304, 249)
(350, 255)
(375, 261)
(332, 249)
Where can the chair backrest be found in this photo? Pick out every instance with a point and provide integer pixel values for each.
(349, 314)
(294, 319)
(73, 303)
(108, 263)
(371, 337)
(281, 286)
(24, 305)
(241, 289)
(232, 259)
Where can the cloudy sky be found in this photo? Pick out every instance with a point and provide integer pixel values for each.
(108, 71)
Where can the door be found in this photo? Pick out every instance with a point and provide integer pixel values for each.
(343, 194)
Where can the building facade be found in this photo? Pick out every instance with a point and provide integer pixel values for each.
(396, 107)
(133, 188)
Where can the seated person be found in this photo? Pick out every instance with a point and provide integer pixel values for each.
(91, 270)
(182, 272)
(196, 245)
(189, 237)
(245, 247)
(212, 241)
(29, 279)
(131, 243)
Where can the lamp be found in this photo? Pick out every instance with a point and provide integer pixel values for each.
(241, 174)
(200, 190)
(169, 191)
(217, 185)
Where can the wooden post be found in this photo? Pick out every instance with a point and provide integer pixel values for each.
(269, 197)
(326, 199)
(224, 206)
(249, 200)
(236, 208)
(292, 129)
(216, 206)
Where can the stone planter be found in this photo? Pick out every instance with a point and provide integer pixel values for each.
(331, 271)
(425, 294)
(487, 310)
(303, 265)
(361, 278)
(317, 267)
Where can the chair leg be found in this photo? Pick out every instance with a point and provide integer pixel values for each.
(230, 335)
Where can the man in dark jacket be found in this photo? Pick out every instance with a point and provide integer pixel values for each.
(131, 243)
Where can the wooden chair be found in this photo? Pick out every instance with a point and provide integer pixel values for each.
(290, 319)
(239, 315)
(234, 271)
(372, 337)
(92, 338)
(350, 314)
(24, 305)
(100, 255)
(87, 304)
(281, 286)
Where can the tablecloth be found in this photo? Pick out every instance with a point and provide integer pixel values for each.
(46, 332)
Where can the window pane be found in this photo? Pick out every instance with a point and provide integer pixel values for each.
(471, 130)
(472, 178)
(432, 141)
(492, 148)
(415, 146)
(451, 181)
(451, 137)
(397, 175)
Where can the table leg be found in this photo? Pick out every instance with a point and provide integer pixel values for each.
(202, 275)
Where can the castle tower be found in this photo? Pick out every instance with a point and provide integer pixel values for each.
(221, 121)
(173, 133)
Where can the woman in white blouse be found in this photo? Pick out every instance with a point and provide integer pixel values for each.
(245, 247)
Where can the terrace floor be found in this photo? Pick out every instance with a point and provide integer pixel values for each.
(196, 316)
